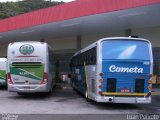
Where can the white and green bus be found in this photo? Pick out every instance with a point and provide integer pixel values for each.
(30, 67)
(3, 63)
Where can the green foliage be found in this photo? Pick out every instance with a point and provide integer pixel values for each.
(9, 9)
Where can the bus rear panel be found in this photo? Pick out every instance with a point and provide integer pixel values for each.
(27, 67)
(126, 71)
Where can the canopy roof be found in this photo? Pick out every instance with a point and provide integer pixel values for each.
(81, 17)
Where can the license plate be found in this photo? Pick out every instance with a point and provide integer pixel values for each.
(26, 87)
(125, 90)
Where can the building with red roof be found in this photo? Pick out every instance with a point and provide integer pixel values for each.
(72, 26)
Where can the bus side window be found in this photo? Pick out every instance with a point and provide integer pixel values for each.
(92, 56)
(81, 63)
(83, 58)
(92, 59)
(95, 55)
(79, 60)
(87, 58)
(76, 60)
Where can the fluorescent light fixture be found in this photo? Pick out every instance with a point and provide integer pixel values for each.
(70, 24)
(131, 14)
(25, 32)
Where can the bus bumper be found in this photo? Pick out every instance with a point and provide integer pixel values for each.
(28, 88)
(112, 99)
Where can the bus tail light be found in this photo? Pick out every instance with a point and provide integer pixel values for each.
(45, 79)
(100, 92)
(150, 88)
(101, 74)
(100, 83)
(150, 81)
(101, 80)
(100, 86)
(9, 78)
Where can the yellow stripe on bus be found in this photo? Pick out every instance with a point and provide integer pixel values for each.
(86, 78)
(116, 93)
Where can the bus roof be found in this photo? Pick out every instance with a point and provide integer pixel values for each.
(27, 42)
(30, 42)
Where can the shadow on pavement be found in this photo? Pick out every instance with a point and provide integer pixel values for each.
(3, 87)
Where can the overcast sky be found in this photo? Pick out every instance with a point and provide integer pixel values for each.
(52, 0)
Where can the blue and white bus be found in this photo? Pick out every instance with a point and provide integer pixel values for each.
(115, 69)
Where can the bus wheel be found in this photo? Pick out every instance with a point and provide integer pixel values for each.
(53, 89)
(50, 91)
(86, 96)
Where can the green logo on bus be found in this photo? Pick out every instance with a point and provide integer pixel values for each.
(26, 49)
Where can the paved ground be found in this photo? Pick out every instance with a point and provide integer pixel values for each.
(67, 101)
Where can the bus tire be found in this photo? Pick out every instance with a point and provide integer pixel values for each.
(50, 91)
(53, 89)
(86, 96)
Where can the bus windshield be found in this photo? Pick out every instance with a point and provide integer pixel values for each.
(125, 49)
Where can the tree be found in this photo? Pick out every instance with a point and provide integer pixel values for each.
(9, 9)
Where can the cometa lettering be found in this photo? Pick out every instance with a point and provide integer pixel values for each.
(114, 68)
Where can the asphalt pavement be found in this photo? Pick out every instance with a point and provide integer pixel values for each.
(65, 103)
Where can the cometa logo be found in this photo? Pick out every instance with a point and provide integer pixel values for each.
(26, 49)
(114, 68)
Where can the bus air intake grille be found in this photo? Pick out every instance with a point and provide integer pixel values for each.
(26, 64)
(111, 85)
(139, 86)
